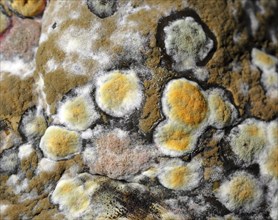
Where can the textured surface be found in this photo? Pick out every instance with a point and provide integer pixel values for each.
(140, 109)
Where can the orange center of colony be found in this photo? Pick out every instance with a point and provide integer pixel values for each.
(241, 190)
(272, 162)
(62, 143)
(67, 188)
(114, 91)
(177, 177)
(77, 111)
(187, 103)
(177, 139)
(253, 130)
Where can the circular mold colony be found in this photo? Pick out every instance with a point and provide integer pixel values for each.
(242, 192)
(59, 143)
(248, 139)
(119, 93)
(184, 102)
(102, 8)
(174, 139)
(33, 124)
(78, 113)
(186, 43)
(177, 175)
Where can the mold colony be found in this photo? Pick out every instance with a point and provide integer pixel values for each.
(248, 139)
(177, 175)
(86, 128)
(268, 65)
(242, 192)
(186, 42)
(189, 110)
(59, 143)
(119, 93)
(78, 112)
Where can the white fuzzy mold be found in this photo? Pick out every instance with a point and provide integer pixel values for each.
(59, 143)
(248, 139)
(177, 175)
(119, 93)
(242, 192)
(186, 42)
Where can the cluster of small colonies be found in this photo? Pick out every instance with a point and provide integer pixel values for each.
(253, 141)
(119, 93)
(186, 42)
(188, 110)
(268, 65)
(241, 192)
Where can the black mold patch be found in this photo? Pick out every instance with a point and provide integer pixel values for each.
(160, 36)
(111, 7)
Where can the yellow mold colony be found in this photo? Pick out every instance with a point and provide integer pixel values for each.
(119, 93)
(59, 143)
(35, 127)
(263, 60)
(78, 113)
(179, 176)
(269, 76)
(174, 139)
(28, 8)
(248, 139)
(222, 112)
(186, 109)
(185, 102)
(241, 192)
(73, 194)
